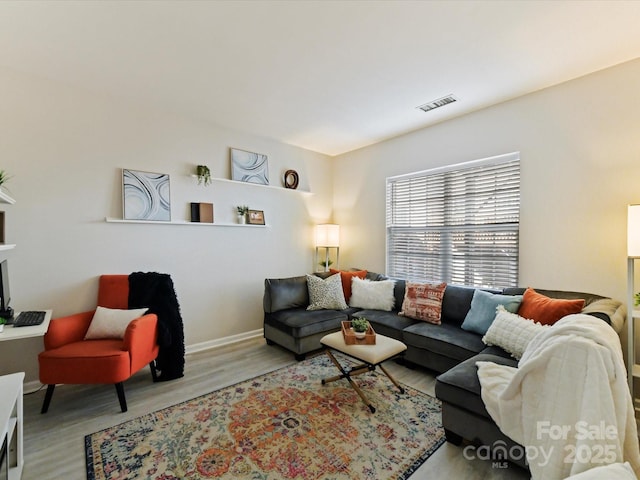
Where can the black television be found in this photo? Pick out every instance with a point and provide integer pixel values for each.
(5, 310)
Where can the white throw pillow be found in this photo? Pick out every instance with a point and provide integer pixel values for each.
(372, 295)
(111, 322)
(511, 332)
(326, 294)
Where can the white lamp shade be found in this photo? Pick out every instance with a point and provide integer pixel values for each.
(633, 231)
(327, 235)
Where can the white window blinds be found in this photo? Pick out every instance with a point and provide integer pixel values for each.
(457, 224)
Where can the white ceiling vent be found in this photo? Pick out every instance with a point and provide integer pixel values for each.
(440, 102)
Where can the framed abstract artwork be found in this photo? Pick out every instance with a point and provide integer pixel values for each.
(249, 167)
(145, 196)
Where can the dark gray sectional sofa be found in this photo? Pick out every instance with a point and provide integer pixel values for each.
(446, 349)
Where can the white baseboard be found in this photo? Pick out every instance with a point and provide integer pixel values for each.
(34, 385)
(221, 342)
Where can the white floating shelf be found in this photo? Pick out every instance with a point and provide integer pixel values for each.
(199, 224)
(215, 179)
(9, 246)
(6, 198)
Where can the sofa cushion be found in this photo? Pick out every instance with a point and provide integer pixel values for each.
(389, 324)
(372, 295)
(493, 350)
(460, 385)
(483, 310)
(285, 293)
(373, 276)
(423, 301)
(547, 310)
(398, 291)
(300, 323)
(446, 339)
(587, 297)
(107, 360)
(325, 293)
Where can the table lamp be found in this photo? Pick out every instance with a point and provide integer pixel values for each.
(328, 236)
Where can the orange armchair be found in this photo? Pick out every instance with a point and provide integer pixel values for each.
(69, 358)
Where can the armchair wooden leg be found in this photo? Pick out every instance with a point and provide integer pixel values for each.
(154, 373)
(47, 398)
(123, 400)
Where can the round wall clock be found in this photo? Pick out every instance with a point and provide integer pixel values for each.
(291, 179)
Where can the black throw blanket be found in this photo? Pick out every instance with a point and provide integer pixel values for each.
(155, 291)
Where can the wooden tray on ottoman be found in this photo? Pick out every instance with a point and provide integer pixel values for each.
(350, 336)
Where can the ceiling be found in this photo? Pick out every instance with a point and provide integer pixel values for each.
(328, 76)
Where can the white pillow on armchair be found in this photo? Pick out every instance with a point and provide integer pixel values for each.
(111, 322)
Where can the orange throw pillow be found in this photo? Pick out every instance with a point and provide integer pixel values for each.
(545, 310)
(346, 280)
(423, 301)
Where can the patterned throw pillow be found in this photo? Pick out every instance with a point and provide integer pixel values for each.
(423, 301)
(511, 332)
(325, 293)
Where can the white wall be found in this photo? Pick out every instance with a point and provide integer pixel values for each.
(580, 167)
(65, 149)
(580, 161)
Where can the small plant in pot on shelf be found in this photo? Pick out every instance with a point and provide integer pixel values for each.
(204, 175)
(4, 176)
(242, 213)
(360, 327)
(2, 322)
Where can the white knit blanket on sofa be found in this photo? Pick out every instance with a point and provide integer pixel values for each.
(568, 402)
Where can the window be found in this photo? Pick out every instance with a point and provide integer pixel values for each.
(457, 224)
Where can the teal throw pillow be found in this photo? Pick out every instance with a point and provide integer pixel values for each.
(483, 310)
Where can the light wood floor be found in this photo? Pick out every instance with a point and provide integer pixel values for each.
(54, 442)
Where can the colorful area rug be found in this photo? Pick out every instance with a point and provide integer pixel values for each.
(282, 425)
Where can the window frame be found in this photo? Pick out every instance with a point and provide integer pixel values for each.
(445, 234)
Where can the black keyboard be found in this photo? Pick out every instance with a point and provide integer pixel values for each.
(29, 319)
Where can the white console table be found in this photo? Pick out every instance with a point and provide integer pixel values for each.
(11, 421)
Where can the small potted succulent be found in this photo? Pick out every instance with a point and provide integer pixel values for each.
(242, 213)
(360, 327)
(326, 264)
(2, 322)
(204, 175)
(4, 176)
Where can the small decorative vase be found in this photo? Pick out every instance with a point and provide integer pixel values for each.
(242, 219)
(1, 327)
(360, 335)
